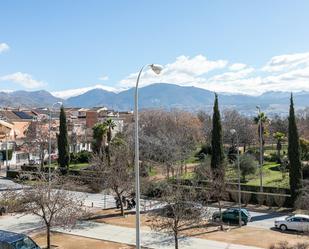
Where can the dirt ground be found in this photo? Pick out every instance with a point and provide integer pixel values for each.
(64, 241)
(113, 217)
(245, 236)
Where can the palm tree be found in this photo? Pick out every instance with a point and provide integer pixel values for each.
(261, 119)
(99, 136)
(279, 136)
(110, 125)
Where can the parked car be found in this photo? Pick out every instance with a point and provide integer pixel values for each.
(34, 162)
(10, 240)
(232, 215)
(298, 222)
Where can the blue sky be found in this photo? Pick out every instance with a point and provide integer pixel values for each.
(231, 46)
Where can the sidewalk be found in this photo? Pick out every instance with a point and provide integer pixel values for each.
(150, 239)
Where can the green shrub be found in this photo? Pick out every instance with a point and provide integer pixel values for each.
(204, 151)
(80, 157)
(272, 157)
(247, 164)
(304, 149)
(245, 198)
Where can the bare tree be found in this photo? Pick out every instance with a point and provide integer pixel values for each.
(36, 139)
(215, 185)
(118, 176)
(48, 201)
(181, 212)
(302, 201)
(286, 245)
(168, 137)
(234, 120)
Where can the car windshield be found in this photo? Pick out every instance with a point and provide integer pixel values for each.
(245, 211)
(24, 243)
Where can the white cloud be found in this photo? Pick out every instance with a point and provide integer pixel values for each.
(4, 47)
(65, 94)
(23, 79)
(237, 66)
(183, 71)
(289, 72)
(286, 61)
(104, 78)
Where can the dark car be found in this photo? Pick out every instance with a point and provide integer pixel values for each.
(232, 215)
(10, 240)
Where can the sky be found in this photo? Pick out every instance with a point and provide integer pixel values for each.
(70, 46)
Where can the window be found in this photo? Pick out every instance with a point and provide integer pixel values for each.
(25, 243)
(295, 219)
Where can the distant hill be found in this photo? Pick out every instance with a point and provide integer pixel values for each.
(161, 95)
(27, 99)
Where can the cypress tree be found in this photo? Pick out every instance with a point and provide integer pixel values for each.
(295, 169)
(217, 156)
(63, 144)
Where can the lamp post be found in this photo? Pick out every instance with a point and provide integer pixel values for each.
(6, 152)
(261, 147)
(234, 132)
(157, 69)
(49, 138)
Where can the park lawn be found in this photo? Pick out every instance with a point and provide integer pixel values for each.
(271, 177)
(74, 166)
(78, 166)
(152, 171)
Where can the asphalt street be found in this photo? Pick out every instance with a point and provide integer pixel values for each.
(103, 200)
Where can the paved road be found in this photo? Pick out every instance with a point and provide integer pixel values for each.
(102, 200)
(6, 183)
(27, 223)
(149, 238)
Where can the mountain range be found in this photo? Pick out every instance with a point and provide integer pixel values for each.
(159, 95)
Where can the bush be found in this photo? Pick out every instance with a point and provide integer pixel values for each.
(204, 151)
(286, 245)
(245, 198)
(279, 199)
(260, 199)
(247, 165)
(13, 174)
(234, 195)
(304, 149)
(272, 157)
(153, 189)
(305, 168)
(80, 157)
(269, 200)
(232, 154)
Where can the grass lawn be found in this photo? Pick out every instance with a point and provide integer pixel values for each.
(152, 171)
(271, 177)
(74, 166)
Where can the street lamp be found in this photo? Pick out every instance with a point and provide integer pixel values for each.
(234, 132)
(157, 69)
(261, 147)
(49, 138)
(6, 152)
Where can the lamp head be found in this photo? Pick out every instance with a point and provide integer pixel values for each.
(233, 131)
(156, 68)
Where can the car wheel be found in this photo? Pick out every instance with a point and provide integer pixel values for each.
(283, 228)
(217, 219)
(243, 223)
